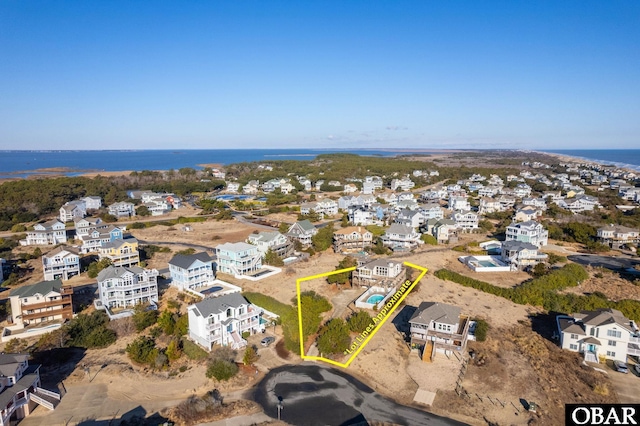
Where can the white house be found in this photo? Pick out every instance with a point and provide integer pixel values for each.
(274, 241)
(222, 321)
(404, 184)
(191, 271)
(616, 235)
(73, 210)
(86, 225)
(459, 203)
(92, 202)
(62, 262)
(379, 272)
(352, 238)
(603, 333)
(238, 258)
(467, 221)
(49, 233)
(122, 287)
(528, 232)
(233, 187)
(122, 209)
(20, 389)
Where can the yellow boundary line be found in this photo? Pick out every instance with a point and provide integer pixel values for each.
(375, 330)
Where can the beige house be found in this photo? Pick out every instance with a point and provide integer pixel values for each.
(352, 238)
(41, 302)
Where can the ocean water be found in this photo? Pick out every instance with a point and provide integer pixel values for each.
(25, 163)
(626, 158)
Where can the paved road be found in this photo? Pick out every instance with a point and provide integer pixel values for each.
(316, 395)
(608, 262)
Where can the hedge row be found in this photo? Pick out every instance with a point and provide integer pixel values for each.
(543, 292)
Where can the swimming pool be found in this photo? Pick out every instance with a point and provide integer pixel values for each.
(375, 299)
(230, 197)
(487, 264)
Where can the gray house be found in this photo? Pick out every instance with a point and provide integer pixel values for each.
(438, 327)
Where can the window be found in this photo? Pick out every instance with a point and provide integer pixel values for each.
(573, 347)
(612, 342)
(614, 333)
(574, 336)
(612, 354)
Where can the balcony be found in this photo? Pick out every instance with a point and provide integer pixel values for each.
(65, 300)
(66, 311)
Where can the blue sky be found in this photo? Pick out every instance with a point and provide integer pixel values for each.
(349, 74)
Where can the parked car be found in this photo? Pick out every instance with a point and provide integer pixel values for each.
(620, 367)
(637, 368)
(267, 341)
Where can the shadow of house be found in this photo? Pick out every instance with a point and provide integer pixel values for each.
(401, 320)
(133, 417)
(544, 324)
(57, 366)
(358, 420)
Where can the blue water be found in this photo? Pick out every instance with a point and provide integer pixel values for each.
(24, 163)
(376, 298)
(626, 158)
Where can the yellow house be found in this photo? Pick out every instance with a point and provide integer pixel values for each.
(571, 193)
(121, 252)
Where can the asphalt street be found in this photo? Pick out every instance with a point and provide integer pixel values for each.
(608, 262)
(311, 394)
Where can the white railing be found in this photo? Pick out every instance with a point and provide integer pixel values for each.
(42, 401)
(48, 393)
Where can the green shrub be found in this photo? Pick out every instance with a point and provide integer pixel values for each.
(222, 370)
(193, 351)
(144, 317)
(334, 337)
(90, 331)
(482, 327)
(142, 350)
(359, 321)
(429, 239)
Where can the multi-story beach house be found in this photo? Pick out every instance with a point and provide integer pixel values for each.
(527, 213)
(20, 389)
(302, 231)
(520, 254)
(122, 209)
(238, 258)
(274, 241)
(528, 232)
(438, 327)
(41, 302)
(466, 221)
(399, 237)
(49, 233)
(92, 202)
(379, 272)
(87, 225)
(617, 235)
(352, 238)
(73, 210)
(96, 238)
(121, 252)
(191, 271)
(60, 263)
(222, 320)
(126, 287)
(603, 333)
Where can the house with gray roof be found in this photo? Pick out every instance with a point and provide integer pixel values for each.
(222, 321)
(62, 262)
(73, 210)
(401, 237)
(191, 271)
(20, 389)
(48, 233)
(274, 241)
(238, 258)
(438, 327)
(302, 231)
(520, 254)
(122, 287)
(380, 272)
(600, 334)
